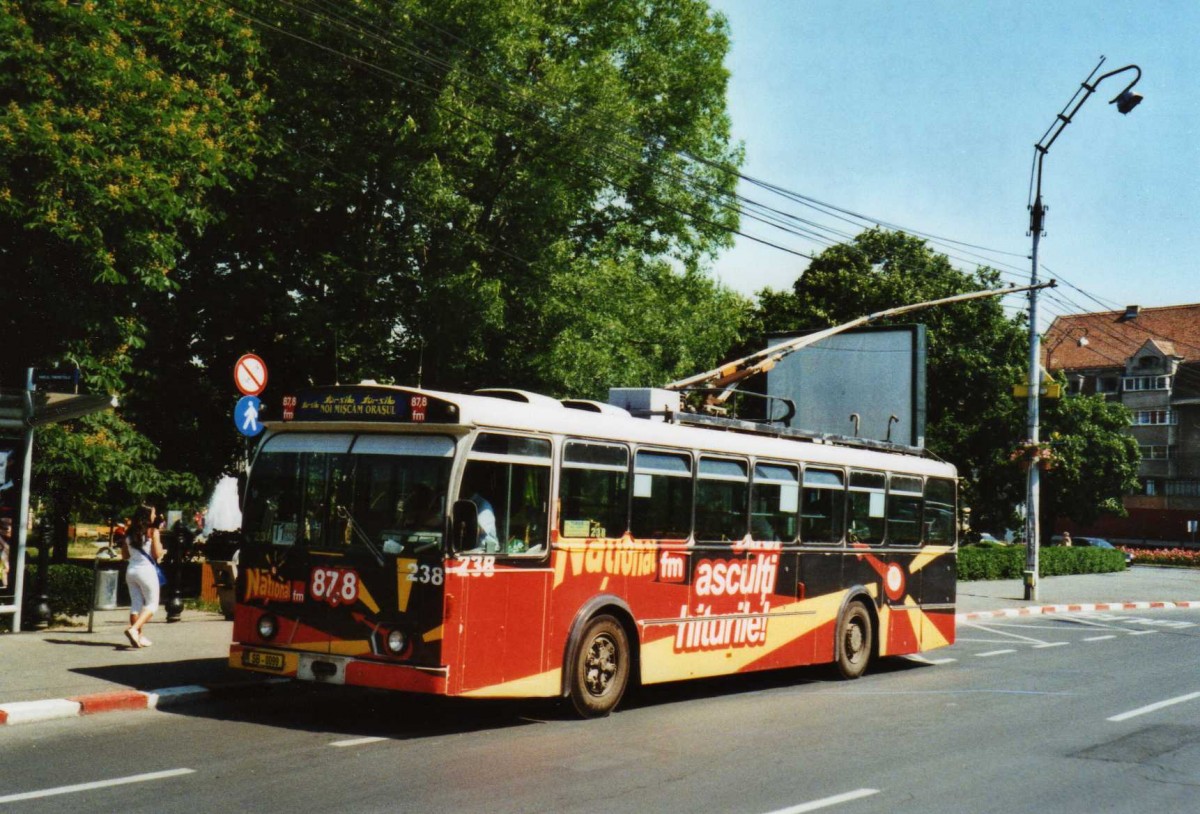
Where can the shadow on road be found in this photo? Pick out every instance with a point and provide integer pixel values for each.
(353, 712)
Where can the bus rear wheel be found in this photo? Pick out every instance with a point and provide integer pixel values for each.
(600, 669)
(855, 637)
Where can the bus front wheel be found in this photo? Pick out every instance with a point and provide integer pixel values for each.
(855, 640)
(600, 669)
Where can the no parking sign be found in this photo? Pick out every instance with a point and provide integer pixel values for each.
(250, 374)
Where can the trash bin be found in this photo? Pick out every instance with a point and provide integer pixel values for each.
(107, 582)
(106, 579)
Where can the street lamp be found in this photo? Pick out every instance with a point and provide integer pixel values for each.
(1125, 101)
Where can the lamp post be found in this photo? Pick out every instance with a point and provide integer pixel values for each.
(1125, 101)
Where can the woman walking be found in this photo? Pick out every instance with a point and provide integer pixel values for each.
(143, 548)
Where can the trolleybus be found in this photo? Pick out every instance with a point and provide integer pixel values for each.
(506, 544)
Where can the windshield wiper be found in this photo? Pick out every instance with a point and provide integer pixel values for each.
(344, 514)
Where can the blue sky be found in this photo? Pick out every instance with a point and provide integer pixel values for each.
(924, 114)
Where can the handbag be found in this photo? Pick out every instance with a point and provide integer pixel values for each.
(162, 578)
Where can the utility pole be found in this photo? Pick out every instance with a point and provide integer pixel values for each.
(1125, 101)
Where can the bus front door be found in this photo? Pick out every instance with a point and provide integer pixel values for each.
(497, 610)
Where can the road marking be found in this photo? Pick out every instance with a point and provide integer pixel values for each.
(991, 653)
(1051, 644)
(1100, 638)
(926, 660)
(1018, 637)
(99, 784)
(1141, 632)
(1133, 713)
(828, 801)
(357, 741)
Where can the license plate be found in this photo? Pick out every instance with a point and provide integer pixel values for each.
(263, 661)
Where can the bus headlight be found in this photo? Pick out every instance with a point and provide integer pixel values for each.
(397, 642)
(268, 626)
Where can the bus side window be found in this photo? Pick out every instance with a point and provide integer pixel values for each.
(662, 496)
(722, 496)
(774, 502)
(823, 506)
(594, 490)
(508, 480)
(939, 511)
(904, 510)
(868, 516)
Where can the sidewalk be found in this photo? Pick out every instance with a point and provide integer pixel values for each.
(70, 672)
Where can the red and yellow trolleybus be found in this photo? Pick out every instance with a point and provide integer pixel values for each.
(505, 544)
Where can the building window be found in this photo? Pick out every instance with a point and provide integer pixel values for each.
(1108, 384)
(1133, 383)
(1155, 452)
(1182, 488)
(1149, 417)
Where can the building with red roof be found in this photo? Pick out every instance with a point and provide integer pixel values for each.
(1149, 360)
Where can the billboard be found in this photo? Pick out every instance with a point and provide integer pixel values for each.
(866, 383)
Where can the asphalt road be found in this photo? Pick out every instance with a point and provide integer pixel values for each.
(1082, 713)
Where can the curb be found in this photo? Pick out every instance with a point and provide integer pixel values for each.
(1040, 610)
(27, 712)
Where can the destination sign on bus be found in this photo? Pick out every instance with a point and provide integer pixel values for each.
(368, 404)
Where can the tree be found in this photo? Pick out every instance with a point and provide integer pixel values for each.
(461, 194)
(117, 120)
(101, 466)
(1095, 459)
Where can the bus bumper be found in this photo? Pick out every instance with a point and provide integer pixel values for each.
(323, 668)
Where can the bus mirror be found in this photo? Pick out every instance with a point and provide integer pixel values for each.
(464, 525)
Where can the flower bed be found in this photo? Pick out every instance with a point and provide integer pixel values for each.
(1186, 557)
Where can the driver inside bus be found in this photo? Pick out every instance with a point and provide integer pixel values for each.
(421, 509)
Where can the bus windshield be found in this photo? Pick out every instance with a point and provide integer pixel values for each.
(329, 491)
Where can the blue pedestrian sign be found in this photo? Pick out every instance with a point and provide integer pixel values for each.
(245, 416)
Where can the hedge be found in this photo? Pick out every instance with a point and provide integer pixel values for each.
(70, 589)
(1008, 562)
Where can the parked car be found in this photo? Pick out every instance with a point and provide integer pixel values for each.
(1094, 542)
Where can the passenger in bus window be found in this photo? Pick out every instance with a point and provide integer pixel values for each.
(488, 539)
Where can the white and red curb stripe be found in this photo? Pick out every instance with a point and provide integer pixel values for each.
(1039, 610)
(26, 712)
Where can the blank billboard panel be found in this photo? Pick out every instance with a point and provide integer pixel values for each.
(876, 374)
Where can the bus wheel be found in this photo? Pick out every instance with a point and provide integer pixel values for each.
(854, 638)
(600, 670)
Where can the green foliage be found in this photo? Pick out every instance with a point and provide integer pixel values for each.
(1008, 562)
(1095, 459)
(1059, 560)
(990, 562)
(70, 589)
(119, 120)
(101, 464)
(535, 206)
